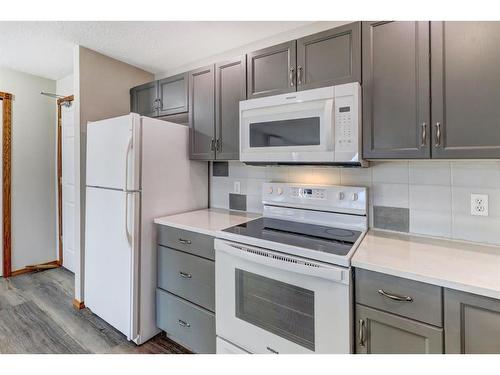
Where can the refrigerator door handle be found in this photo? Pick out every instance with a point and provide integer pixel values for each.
(127, 232)
(127, 151)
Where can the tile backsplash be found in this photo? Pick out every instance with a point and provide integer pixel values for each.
(422, 197)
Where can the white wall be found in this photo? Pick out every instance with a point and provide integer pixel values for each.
(65, 86)
(33, 169)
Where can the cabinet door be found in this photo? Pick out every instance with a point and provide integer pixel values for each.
(465, 89)
(201, 114)
(378, 332)
(471, 323)
(396, 90)
(330, 57)
(271, 71)
(173, 95)
(230, 78)
(143, 99)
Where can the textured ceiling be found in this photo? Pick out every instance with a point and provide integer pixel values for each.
(46, 48)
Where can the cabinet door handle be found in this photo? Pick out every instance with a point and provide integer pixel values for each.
(299, 75)
(185, 275)
(395, 297)
(185, 242)
(361, 333)
(438, 134)
(212, 144)
(183, 323)
(218, 145)
(424, 134)
(292, 71)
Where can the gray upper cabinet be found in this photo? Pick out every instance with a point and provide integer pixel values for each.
(173, 95)
(271, 71)
(378, 332)
(143, 99)
(465, 89)
(230, 78)
(396, 90)
(202, 113)
(330, 57)
(472, 323)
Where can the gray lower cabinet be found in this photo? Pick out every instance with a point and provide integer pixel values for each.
(173, 95)
(202, 113)
(328, 58)
(465, 89)
(472, 323)
(143, 99)
(379, 332)
(271, 71)
(396, 90)
(230, 88)
(185, 297)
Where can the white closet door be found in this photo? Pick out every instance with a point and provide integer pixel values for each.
(68, 187)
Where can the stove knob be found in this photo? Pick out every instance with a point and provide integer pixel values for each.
(280, 191)
(354, 196)
(341, 196)
(270, 190)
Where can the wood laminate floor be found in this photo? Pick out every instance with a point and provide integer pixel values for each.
(37, 316)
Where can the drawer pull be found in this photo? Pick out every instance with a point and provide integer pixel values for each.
(185, 275)
(185, 242)
(395, 297)
(271, 350)
(182, 323)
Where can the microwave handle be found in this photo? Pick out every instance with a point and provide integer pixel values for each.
(263, 257)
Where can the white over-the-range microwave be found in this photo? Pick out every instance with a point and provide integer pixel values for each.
(318, 126)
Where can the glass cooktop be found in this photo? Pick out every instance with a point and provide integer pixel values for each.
(308, 236)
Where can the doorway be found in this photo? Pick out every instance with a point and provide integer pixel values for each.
(66, 182)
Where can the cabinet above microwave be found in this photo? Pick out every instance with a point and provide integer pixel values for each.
(318, 126)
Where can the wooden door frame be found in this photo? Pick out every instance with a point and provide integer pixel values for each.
(60, 102)
(6, 181)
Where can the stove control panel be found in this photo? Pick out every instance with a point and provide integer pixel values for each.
(334, 198)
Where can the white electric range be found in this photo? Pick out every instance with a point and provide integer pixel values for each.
(284, 281)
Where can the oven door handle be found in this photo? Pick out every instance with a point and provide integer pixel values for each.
(285, 262)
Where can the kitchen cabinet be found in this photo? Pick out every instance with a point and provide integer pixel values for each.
(379, 332)
(143, 99)
(230, 88)
(168, 96)
(271, 71)
(173, 95)
(465, 68)
(396, 90)
(202, 113)
(215, 94)
(472, 323)
(328, 58)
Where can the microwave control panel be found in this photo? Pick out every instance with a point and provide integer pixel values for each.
(346, 129)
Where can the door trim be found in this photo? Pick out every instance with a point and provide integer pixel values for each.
(6, 181)
(60, 102)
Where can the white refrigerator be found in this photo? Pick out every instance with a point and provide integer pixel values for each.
(138, 168)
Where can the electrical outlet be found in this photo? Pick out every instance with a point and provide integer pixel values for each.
(479, 204)
(237, 187)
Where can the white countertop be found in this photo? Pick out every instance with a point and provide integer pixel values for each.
(452, 264)
(208, 221)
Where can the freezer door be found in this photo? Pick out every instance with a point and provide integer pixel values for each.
(113, 153)
(112, 258)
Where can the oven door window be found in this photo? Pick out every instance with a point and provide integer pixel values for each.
(286, 133)
(283, 309)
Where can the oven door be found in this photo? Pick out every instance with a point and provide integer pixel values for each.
(293, 132)
(268, 302)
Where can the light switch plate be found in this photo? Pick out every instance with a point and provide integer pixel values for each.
(479, 204)
(237, 187)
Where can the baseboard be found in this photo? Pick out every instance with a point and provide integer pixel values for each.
(24, 270)
(78, 304)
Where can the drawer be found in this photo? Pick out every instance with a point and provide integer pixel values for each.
(187, 276)
(426, 299)
(185, 240)
(224, 347)
(185, 323)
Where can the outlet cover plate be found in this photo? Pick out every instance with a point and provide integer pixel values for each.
(479, 204)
